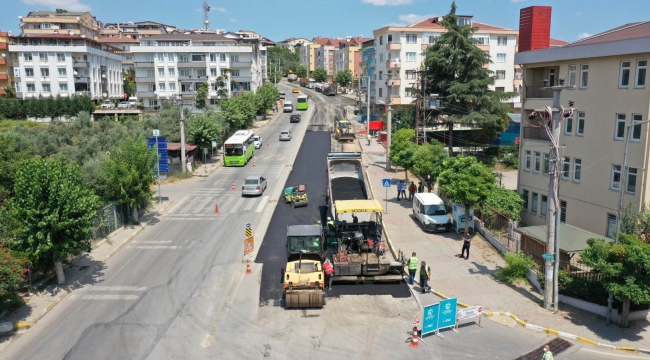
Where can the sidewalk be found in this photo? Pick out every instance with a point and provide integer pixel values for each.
(84, 269)
(472, 281)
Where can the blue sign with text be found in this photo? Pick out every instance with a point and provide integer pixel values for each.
(385, 182)
(430, 319)
(163, 158)
(447, 313)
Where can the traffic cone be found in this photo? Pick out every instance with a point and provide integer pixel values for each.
(254, 162)
(278, 129)
(414, 339)
(233, 185)
(248, 267)
(216, 208)
(268, 144)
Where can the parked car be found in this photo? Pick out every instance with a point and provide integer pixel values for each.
(107, 104)
(294, 118)
(285, 135)
(295, 90)
(133, 101)
(124, 105)
(430, 210)
(253, 185)
(257, 140)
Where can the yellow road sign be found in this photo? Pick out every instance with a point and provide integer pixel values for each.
(249, 245)
(249, 232)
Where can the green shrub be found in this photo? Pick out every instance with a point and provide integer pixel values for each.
(518, 267)
(511, 162)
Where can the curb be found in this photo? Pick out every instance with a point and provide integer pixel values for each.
(562, 334)
(8, 327)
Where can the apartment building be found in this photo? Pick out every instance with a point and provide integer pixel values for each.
(135, 30)
(610, 74)
(60, 22)
(6, 64)
(294, 43)
(66, 65)
(173, 64)
(123, 43)
(348, 57)
(368, 67)
(308, 54)
(400, 53)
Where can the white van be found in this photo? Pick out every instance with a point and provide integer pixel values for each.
(288, 107)
(133, 101)
(429, 209)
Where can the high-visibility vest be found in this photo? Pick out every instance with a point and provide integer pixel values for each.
(427, 270)
(328, 267)
(548, 355)
(413, 263)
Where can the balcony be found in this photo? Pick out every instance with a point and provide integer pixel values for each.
(3, 61)
(538, 92)
(392, 64)
(393, 46)
(241, 78)
(531, 133)
(393, 82)
(3, 46)
(4, 76)
(189, 64)
(146, 94)
(425, 46)
(80, 64)
(82, 80)
(145, 79)
(240, 64)
(143, 64)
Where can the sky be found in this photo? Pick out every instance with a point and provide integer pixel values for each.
(281, 19)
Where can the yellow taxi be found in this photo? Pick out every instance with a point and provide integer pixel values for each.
(295, 90)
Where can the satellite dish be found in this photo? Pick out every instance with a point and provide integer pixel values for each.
(105, 94)
(439, 18)
(74, 72)
(103, 76)
(20, 17)
(71, 32)
(4, 55)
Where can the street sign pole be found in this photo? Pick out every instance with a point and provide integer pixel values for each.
(386, 200)
(156, 133)
(386, 183)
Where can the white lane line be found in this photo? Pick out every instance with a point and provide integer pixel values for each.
(153, 247)
(153, 242)
(116, 288)
(262, 203)
(103, 297)
(178, 204)
(192, 204)
(237, 205)
(225, 203)
(201, 206)
(250, 203)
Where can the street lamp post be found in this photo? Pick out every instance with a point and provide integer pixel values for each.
(622, 183)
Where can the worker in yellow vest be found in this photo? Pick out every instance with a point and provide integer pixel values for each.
(413, 268)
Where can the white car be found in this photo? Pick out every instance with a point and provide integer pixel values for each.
(253, 185)
(285, 135)
(257, 140)
(124, 105)
(107, 104)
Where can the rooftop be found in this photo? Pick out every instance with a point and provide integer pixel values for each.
(625, 32)
(198, 37)
(572, 239)
(57, 12)
(118, 39)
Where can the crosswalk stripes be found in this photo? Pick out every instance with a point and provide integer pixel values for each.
(201, 205)
(99, 292)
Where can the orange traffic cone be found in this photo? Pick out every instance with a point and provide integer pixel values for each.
(254, 162)
(414, 339)
(248, 267)
(216, 208)
(268, 144)
(233, 185)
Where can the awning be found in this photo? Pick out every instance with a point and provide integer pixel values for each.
(376, 125)
(177, 147)
(357, 206)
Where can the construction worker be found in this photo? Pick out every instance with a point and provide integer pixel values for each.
(369, 138)
(413, 268)
(425, 276)
(329, 272)
(548, 355)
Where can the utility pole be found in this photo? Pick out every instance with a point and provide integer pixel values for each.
(552, 119)
(183, 162)
(368, 105)
(389, 126)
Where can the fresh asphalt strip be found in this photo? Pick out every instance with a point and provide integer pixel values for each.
(310, 168)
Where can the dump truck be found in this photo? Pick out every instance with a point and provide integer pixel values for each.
(344, 130)
(346, 178)
(303, 277)
(330, 89)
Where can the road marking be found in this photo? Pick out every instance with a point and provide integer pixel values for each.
(152, 242)
(178, 204)
(151, 247)
(116, 288)
(262, 203)
(610, 353)
(237, 205)
(103, 297)
(226, 303)
(250, 204)
(192, 204)
(199, 208)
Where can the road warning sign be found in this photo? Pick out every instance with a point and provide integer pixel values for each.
(416, 320)
(249, 232)
(249, 245)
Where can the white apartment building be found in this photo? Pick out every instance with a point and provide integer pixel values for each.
(66, 65)
(172, 64)
(399, 53)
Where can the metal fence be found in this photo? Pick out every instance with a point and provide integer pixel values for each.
(500, 227)
(109, 219)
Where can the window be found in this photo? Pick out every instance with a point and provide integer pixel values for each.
(411, 38)
(462, 21)
(68, 27)
(161, 86)
(198, 57)
(580, 131)
(62, 72)
(544, 205)
(31, 88)
(213, 72)
(502, 40)
(29, 72)
(616, 177)
(563, 211)
(537, 162)
(630, 186)
(524, 195)
(584, 76)
(161, 57)
(501, 58)
(213, 57)
(636, 130)
(389, 38)
(551, 77)
(60, 57)
(151, 87)
(624, 75)
(183, 58)
(150, 73)
(410, 74)
(380, 92)
(500, 89)
(577, 170)
(46, 25)
(172, 86)
(235, 72)
(501, 74)
(172, 71)
(184, 72)
(546, 163)
(572, 75)
(170, 57)
(566, 164)
(42, 57)
(46, 87)
(234, 58)
(222, 57)
(432, 39)
(620, 127)
(482, 39)
(28, 56)
(201, 72)
(63, 87)
(533, 208)
(161, 71)
(527, 162)
(568, 126)
(223, 72)
(410, 56)
(641, 70)
(148, 57)
(381, 57)
(611, 226)
(381, 40)
(45, 72)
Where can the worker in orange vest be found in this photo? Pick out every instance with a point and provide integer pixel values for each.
(329, 273)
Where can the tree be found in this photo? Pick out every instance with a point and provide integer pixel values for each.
(221, 86)
(201, 96)
(13, 267)
(128, 80)
(625, 268)
(205, 127)
(402, 117)
(343, 77)
(428, 160)
(267, 96)
(127, 176)
(283, 58)
(54, 209)
(320, 75)
(239, 111)
(402, 149)
(505, 201)
(301, 71)
(466, 181)
(456, 70)
(10, 93)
